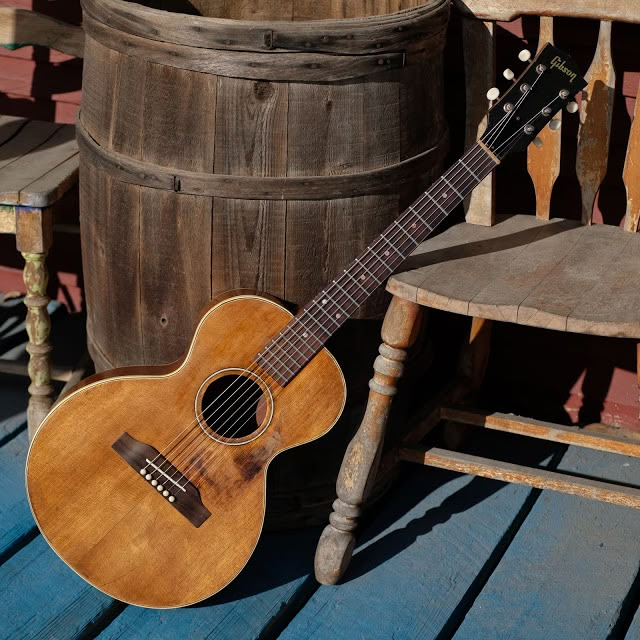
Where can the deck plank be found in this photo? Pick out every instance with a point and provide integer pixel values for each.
(41, 598)
(15, 515)
(277, 573)
(432, 546)
(571, 567)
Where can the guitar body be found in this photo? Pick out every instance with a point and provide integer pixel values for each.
(101, 513)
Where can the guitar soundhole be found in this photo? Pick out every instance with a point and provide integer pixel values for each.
(233, 408)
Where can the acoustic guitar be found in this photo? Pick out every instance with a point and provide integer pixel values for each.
(149, 482)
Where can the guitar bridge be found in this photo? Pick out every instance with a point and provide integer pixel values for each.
(161, 476)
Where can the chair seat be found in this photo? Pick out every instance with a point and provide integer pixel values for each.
(38, 161)
(556, 274)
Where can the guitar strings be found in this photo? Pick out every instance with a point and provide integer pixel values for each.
(191, 446)
(251, 399)
(242, 410)
(504, 144)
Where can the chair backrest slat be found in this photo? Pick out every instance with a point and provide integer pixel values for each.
(479, 64)
(596, 111)
(631, 173)
(543, 162)
(625, 10)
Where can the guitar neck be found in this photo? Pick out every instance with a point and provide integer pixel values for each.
(319, 319)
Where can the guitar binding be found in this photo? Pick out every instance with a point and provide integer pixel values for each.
(143, 457)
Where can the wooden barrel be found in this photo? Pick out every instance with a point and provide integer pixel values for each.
(255, 145)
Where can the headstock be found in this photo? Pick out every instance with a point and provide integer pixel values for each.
(549, 82)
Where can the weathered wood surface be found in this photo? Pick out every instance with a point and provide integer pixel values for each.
(596, 113)
(361, 28)
(556, 274)
(631, 173)
(543, 163)
(509, 10)
(49, 162)
(361, 460)
(543, 430)
(480, 67)
(19, 27)
(422, 560)
(389, 179)
(294, 67)
(515, 473)
(571, 571)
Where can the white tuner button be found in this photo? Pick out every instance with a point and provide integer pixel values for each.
(154, 482)
(508, 74)
(160, 488)
(572, 107)
(148, 476)
(537, 142)
(165, 493)
(493, 93)
(524, 55)
(171, 499)
(554, 125)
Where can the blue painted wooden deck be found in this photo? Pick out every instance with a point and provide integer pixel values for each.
(445, 556)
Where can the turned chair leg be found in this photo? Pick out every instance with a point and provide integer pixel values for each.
(360, 463)
(39, 349)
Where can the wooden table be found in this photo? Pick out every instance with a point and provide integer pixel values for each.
(38, 165)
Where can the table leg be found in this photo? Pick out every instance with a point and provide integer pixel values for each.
(39, 349)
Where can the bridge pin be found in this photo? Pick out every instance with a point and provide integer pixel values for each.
(171, 499)
(154, 482)
(148, 476)
(165, 493)
(160, 488)
(143, 472)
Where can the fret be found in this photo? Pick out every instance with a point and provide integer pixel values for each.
(379, 282)
(383, 237)
(347, 294)
(426, 193)
(271, 366)
(346, 273)
(284, 337)
(379, 259)
(469, 170)
(406, 233)
(424, 222)
(427, 209)
(306, 333)
(321, 307)
(452, 187)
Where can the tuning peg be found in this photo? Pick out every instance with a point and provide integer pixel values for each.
(572, 107)
(537, 142)
(554, 125)
(524, 55)
(493, 93)
(508, 74)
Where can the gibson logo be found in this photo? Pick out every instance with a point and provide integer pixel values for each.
(558, 63)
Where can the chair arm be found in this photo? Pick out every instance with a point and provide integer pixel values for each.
(20, 28)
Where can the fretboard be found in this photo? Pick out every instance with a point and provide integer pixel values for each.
(291, 349)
